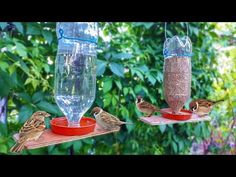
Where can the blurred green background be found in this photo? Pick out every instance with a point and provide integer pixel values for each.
(129, 62)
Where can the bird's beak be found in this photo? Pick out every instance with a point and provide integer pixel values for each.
(47, 115)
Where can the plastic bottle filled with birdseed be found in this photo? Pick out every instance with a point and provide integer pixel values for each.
(177, 71)
(75, 72)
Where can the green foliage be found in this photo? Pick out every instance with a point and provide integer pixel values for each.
(130, 62)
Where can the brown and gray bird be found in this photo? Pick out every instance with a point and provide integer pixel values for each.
(146, 107)
(202, 107)
(31, 130)
(106, 120)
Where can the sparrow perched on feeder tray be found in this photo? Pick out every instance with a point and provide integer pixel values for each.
(106, 120)
(202, 107)
(145, 107)
(31, 130)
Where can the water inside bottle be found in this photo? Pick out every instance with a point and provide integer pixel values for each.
(75, 85)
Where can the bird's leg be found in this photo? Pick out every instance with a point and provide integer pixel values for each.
(203, 115)
(149, 115)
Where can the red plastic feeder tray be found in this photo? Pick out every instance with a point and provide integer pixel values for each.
(60, 126)
(183, 114)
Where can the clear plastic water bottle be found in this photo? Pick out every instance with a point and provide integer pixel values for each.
(75, 71)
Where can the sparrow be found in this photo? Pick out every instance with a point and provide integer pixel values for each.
(145, 107)
(202, 107)
(106, 120)
(31, 130)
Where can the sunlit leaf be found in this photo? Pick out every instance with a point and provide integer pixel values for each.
(20, 48)
(107, 85)
(100, 67)
(162, 128)
(19, 26)
(48, 36)
(117, 69)
(25, 113)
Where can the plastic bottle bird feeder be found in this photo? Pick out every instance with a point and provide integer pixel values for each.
(75, 86)
(75, 77)
(177, 77)
(176, 83)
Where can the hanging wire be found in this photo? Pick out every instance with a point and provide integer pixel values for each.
(165, 29)
(187, 26)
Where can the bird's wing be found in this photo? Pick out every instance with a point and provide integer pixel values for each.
(147, 105)
(32, 125)
(205, 103)
(109, 119)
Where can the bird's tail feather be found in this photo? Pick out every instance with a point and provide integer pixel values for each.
(128, 123)
(157, 110)
(18, 147)
(218, 101)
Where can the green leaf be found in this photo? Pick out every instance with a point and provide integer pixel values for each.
(138, 89)
(3, 148)
(37, 97)
(12, 56)
(101, 67)
(162, 128)
(143, 68)
(174, 145)
(151, 78)
(19, 26)
(88, 141)
(195, 31)
(197, 130)
(28, 81)
(46, 68)
(48, 107)
(3, 25)
(26, 97)
(117, 69)
(35, 83)
(32, 29)
(25, 113)
(139, 74)
(37, 151)
(107, 85)
(47, 36)
(232, 53)
(122, 56)
(77, 146)
(58, 152)
(125, 91)
(181, 145)
(3, 65)
(3, 129)
(124, 112)
(118, 84)
(23, 66)
(66, 145)
(21, 50)
(5, 83)
(114, 101)
(107, 99)
(147, 25)
(159, 76)
(204, 130)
